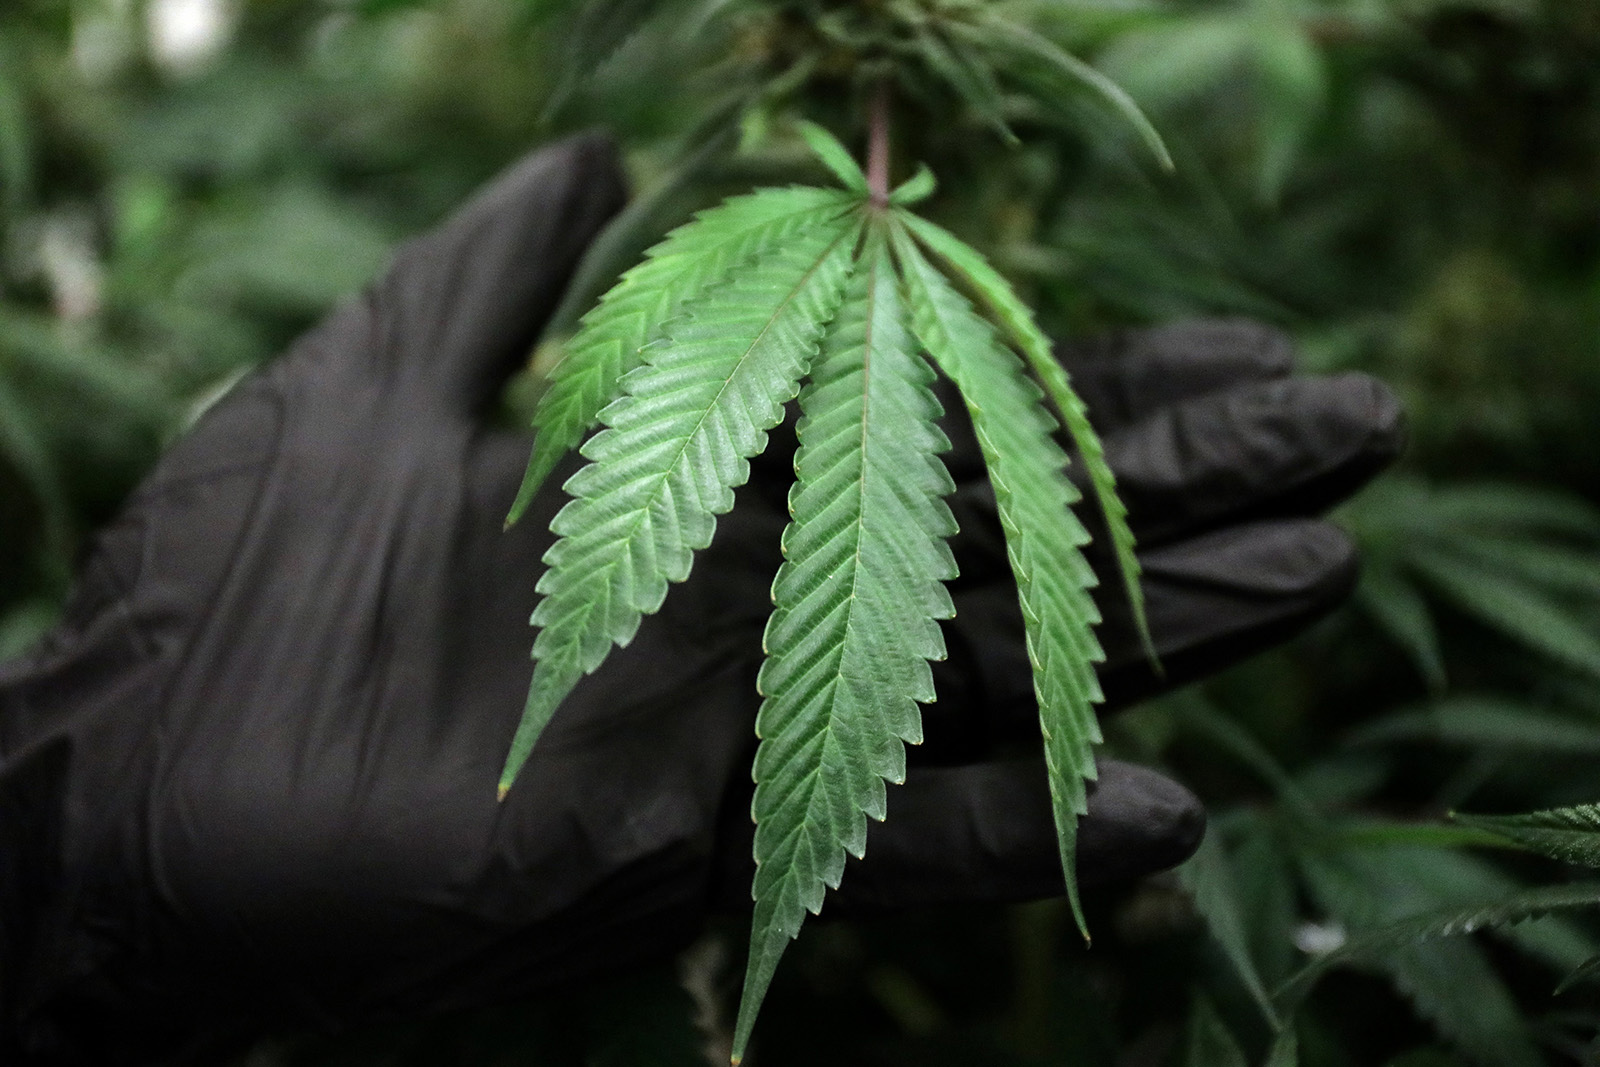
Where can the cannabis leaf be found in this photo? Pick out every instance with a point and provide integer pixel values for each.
(676, 444)
(1043, 538)
(634, 312)
(1024, 332)
(687, 363)
(856, 604)
(1433, 926)
(1571, 835)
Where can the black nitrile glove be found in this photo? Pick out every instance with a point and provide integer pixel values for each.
(249, 783)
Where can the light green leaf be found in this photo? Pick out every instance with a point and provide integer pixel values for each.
(1571, 835)
(676, 444)
(1043, 537)
(1018, 323)
(918, 187)
(855, 620)
(835, 156)
(635, 311)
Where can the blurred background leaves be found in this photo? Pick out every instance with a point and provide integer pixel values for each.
(1409, 187)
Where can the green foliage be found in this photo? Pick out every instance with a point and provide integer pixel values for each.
(1043, 541)
(858, 598)
(1210, 1043)
(1019, 324)
(1209, 878)
(635, 311)
(1571, 835)
(855, 613)
(675, 445)
(1401, 937)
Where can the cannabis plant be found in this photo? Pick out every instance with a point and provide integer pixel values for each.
(851, 301)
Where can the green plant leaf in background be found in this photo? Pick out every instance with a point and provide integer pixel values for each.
(1210, 1042)
(1056, 71)
(1571, 835)
(1489, 722)
(1208, 875)
(1377, 944)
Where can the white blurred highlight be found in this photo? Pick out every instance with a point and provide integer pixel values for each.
(186, 35)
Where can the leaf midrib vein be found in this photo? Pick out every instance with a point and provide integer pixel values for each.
(644, 510)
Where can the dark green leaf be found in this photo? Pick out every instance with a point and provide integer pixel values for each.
(1209, 878)
(1210, 1043)
(1020, 43)
(973, 81)
(1517, 609)
(1587, 971)
(1571, 835)
(1485, 722)
(1399, 609)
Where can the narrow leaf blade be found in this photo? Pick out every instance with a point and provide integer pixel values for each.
(1018, 323)
(916, 188)
(1208, 875)
(1012, 39)
(634, 312)
(835, 156)
(1571, 835)
(855, 618)
(676, 444)
(1044, 538)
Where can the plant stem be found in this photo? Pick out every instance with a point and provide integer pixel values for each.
(878, 146)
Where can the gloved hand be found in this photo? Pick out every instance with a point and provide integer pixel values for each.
(249, 782)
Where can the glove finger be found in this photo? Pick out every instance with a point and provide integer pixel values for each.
(985, 833)
(462, 305)
(1212, 601)
(1126, 375)
(1292, 447)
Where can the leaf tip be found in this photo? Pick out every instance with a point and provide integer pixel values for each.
(500, 793)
